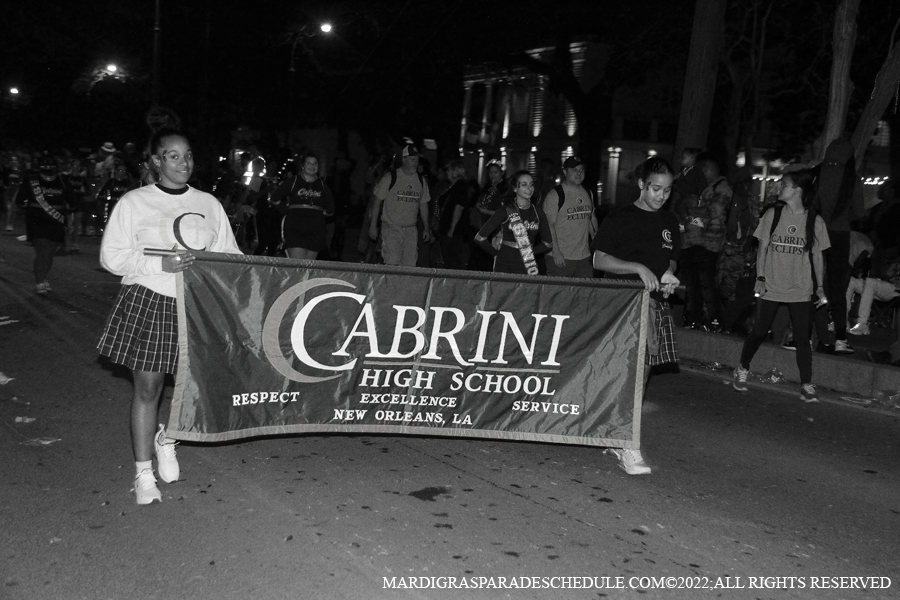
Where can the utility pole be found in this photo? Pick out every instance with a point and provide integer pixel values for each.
(154, 92)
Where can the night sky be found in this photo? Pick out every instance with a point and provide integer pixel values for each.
(391, 66)
(395, 65)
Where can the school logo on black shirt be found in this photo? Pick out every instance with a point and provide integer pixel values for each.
(667, 239)
(792, 229)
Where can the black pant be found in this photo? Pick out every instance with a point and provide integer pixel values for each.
(837, 278)
(455, 252)
(800, 313)
(44, 251)
(698, 274)
(743, 298)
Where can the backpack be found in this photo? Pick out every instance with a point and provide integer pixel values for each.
(778, 207)
(562, 197)
(394, 179)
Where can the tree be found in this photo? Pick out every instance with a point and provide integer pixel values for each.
(841, 87)
(700, 78)
(885, 89)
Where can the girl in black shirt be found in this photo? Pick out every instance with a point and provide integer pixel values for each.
(642, 242)
(520, 223)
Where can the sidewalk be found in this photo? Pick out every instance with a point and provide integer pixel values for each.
(836, 376)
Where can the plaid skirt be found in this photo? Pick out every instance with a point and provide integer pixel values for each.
(142, 331)
(666, 348)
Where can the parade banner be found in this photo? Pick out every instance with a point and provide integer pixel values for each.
(274, 346)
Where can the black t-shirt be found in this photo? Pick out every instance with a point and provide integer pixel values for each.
(40, 223)
(455, 195)
(636, 235)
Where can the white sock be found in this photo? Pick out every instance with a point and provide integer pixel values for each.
(141, 465)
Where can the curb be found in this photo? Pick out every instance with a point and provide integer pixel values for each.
(838, 376)
(789, 389)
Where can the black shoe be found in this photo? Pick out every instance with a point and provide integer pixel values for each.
(789, 345)
(822, 348)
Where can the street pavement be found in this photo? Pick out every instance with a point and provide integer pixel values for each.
(758, 493)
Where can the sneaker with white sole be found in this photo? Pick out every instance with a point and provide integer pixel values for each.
(145, 490)
(166, 462)
(859, 329)
(42, 288)
(739, 379)
(808, 393)
(843, 347)
(630, 461)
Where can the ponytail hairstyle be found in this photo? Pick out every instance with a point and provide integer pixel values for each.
(806, 181)
(655, 165)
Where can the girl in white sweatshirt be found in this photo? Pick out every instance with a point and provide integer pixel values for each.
(142, 329)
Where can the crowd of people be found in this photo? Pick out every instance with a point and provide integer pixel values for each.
(808, 245)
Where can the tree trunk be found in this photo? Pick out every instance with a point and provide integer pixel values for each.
(885, 88)
(700, 78)
(843, 42)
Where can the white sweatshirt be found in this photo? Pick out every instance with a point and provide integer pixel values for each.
(149, 217)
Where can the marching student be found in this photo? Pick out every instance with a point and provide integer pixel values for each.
(640, 241)
(520, 223)
(791, 236)
(141, 331)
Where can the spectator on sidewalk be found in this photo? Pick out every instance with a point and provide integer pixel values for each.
(839, 201)
(689, 183)
(882, 286)
(736, 269)
(704, 237)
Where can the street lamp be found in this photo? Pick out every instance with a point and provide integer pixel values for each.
(111, 68)
(326, 27)
(14, 91)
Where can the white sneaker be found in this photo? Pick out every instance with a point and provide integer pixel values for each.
(739, 379)
(843, 347)
(145, 490)
(630, 461)
(859, 329)
(808, 393)
(166, 463)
